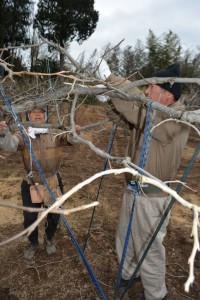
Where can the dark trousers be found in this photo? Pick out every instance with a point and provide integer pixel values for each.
(31, 217)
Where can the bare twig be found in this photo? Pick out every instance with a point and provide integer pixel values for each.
(22, 47)
(62, 50)
(14, 127)
(55, 211)
(178, 121)
(196, 247)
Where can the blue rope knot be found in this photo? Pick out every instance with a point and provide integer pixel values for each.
(133, 186)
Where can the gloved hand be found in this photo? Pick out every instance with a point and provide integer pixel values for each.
(103, 70)
(33, 131)
(102, 98)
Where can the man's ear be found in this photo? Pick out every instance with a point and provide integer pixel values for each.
(170, 97)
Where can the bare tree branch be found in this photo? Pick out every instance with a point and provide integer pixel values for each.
(62, 50)
(55, 211)
(22, 47)
(14, 127)
(190, 117)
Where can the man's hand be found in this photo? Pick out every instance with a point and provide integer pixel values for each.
(78, 128)
(8, 142)
(3, 125)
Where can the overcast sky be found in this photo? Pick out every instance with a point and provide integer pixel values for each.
(129, 19)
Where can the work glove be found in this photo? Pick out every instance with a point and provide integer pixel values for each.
(99, 66)
(33, 131)
(103, 70)
(102, 98)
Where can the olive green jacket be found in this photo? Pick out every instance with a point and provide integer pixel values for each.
(168, 139)
(46, 147)
(48, 151)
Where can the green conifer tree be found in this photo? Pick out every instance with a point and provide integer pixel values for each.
(15, 18)
(66, 20)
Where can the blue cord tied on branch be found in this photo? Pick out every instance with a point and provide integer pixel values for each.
(147, 136)
(134, 185)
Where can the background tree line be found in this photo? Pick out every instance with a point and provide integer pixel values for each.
(156, 53)
(58, 20)
(63, 21)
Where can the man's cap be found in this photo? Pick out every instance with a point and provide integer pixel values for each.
(37, 107)
(31, 106)
(170, 71)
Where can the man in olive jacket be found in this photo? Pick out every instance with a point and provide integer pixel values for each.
(167, 145)
(47, 147)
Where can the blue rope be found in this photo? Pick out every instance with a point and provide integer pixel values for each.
(189, 166)
(164, 216)
(136, 189)
(109, 147)
(91, 273)
(147, 137)
(124, 251)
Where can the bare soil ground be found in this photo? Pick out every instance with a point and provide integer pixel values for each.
(64, 276)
